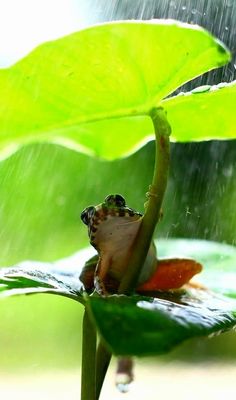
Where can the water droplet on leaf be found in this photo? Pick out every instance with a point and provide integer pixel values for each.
(201, 89)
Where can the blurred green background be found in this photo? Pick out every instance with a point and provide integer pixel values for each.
(43, 189)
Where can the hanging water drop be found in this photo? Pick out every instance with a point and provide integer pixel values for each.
(124, 374)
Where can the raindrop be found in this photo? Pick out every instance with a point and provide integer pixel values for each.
(226, 28)
(188, 212)
(124, 374)
(183, 8)
(228, 172)
(122, 387)
(201, 89)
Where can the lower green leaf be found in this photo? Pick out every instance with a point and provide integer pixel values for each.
(34, 277)
(142, 326)
(149, 326)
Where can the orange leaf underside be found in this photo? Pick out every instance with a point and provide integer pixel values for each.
(171, 274)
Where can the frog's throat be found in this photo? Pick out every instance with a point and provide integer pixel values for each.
(102, 214)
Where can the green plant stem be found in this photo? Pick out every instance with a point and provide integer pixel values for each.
(155, 197)
(103, 358)
(88, 379)
(141, 247)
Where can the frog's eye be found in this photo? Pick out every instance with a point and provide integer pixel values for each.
(87, 214)
(115, 200)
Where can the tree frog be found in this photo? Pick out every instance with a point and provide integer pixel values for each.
(112, 229)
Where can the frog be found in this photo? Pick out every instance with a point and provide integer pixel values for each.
(112, 230)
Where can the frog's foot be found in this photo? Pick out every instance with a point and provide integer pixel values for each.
(87, 273)
(171, 274)
(152, 192)
(89, 278)
(100, 286)
(101, 273)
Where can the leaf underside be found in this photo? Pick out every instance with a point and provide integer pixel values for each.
(87, 88)
(205, 113)
(140, 325)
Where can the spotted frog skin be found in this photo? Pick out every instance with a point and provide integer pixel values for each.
(112, 229)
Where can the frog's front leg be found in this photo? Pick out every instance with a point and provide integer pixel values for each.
(87, 274)
(92, 271)
(101, 271)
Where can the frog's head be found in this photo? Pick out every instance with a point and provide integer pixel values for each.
(110, 211)
(113, 202)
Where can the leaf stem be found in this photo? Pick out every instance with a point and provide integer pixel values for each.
(103, 359)
(88, 379)
(153, 205)
(93, 377)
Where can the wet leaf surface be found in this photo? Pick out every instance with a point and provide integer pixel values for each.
(33, 277)
(216, 121)
(147, 326)
(144, 326)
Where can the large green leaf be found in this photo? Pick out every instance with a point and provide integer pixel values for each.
(148, 326)
(77, 90)
(205, 113)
